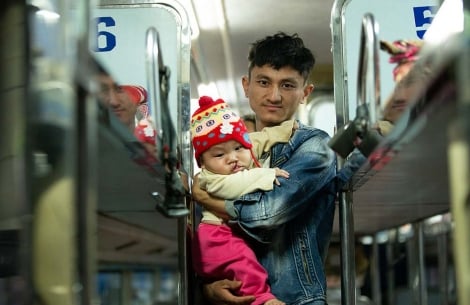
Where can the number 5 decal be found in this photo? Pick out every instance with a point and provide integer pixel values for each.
(423, 18)
(105, 40)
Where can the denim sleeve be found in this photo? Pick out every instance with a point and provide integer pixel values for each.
(350, 167)
(312, 167)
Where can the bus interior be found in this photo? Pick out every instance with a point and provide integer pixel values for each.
(89, 214)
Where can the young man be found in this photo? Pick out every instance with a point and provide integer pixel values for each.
(292, 225)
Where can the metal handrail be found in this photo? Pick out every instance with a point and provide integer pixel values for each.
(368, 84)
(368, 96)
(154, 62)
(368, 100)
(158, 85)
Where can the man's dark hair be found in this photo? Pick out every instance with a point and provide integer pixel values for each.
(281, 50)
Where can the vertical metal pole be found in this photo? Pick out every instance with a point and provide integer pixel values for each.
(411, 263)
(348, 267)
(346, 226)
(443, 267)
(422, 267)
(182, 262)
(416, 265)
(375, 274)
(87, 159)
(392, 238)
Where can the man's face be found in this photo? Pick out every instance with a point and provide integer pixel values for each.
(113, 96)
(275, 95)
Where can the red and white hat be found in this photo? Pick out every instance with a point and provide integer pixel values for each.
(213, 123)
(138, 94)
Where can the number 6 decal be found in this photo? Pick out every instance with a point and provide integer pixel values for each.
(105, 37)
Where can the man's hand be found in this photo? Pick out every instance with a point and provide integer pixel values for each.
(198, 194)
(221, 292)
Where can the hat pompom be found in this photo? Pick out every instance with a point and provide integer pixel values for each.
(205, 101)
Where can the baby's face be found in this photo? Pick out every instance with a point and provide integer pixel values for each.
(226, 158)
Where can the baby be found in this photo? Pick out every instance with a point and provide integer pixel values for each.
(229, 169)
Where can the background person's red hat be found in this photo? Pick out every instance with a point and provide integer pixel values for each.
(138, 94)
(402, 52)
(213, 123)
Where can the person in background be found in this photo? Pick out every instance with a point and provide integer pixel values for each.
(229, 169)
(129, 104)
(410, 77)
(291, 225)
(250, 122)
(118, 100)
(138, 95)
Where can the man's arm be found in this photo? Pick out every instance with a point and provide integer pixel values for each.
(312, 167)
(352, 164)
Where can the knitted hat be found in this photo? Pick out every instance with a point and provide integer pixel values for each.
(214, 123)
(403, 53)
(138, 94)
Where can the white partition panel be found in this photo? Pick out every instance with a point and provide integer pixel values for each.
(396, 20)
(120, 43)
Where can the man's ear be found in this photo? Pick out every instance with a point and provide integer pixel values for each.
(308, 89)
(245, 84)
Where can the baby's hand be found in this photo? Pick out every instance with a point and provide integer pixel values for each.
(280, 173)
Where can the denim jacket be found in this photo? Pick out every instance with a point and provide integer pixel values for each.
(292, 224)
